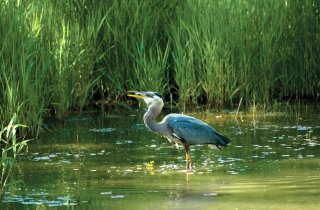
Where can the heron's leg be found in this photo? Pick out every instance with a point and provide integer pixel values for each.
(188, 156)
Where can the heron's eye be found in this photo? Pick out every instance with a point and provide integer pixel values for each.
(149, 95)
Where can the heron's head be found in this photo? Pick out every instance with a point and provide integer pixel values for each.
(151, 98)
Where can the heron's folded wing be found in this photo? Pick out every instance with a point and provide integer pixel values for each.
(193, 131)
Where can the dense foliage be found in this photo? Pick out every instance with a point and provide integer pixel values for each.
(62, 55)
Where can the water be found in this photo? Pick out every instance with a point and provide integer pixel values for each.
(114, 162)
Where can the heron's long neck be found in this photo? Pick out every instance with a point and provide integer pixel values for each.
(150, 120)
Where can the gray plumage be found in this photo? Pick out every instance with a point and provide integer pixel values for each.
(193, 131)
(178, 128)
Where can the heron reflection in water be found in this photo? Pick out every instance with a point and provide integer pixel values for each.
(178, 128)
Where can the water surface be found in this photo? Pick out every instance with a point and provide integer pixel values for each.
(112, 161)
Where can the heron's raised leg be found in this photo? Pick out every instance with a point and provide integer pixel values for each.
(188, 157)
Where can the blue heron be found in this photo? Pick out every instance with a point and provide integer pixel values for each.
(178, 128)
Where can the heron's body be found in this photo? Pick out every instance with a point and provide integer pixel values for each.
(178, 128)
(183, 129)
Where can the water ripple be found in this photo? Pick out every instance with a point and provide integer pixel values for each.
(41, 198)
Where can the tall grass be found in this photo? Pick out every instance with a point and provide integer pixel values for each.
(24, 66)
(137, 45)
(58, 56)
(247, 49)
(11, 146)
(48, 60)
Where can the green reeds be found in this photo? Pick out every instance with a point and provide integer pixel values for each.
(23, 68)
(11, 146)
(55, 55)
(48, 60)
(137, 46)
(247, 49)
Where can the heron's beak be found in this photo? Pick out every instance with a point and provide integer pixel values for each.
(136, 94)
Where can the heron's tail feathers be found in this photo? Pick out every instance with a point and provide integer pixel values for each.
(222, 140)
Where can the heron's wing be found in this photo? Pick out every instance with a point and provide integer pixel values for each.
(193, 131)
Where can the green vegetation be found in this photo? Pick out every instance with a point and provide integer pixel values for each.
(11, 146)
(247, 49)
(58, 56)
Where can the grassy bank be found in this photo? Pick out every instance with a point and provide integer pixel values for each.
(58, 56)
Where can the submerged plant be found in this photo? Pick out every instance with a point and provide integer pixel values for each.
(11, 146)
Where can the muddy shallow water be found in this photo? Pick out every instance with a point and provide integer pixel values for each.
(112, 161)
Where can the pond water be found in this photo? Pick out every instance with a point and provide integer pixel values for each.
(112, 161)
